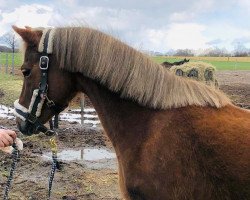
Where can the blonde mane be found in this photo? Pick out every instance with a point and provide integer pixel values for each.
(123, 69)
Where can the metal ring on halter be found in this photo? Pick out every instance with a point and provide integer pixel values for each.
(44, 62)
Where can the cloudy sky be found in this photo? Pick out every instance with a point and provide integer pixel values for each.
(158, 25)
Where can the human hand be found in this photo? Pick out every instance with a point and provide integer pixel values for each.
(7, 137)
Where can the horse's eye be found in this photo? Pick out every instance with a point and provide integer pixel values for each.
(26, 72)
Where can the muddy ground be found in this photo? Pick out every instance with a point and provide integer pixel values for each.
(74, 179)
(78, 179)
(236, 84)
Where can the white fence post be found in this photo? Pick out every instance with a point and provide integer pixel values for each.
(0, 61)
(82, 102)
(13, 63)
(6, 63)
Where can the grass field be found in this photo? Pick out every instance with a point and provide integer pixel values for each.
(18, 59)
(11, 87)
(221, 63)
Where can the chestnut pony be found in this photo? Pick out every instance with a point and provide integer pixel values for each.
(174, 138)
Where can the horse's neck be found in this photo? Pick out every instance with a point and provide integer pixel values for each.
(118, 116)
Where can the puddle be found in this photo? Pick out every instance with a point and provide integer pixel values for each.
(89, 117)
(93, 158)
(86, 110)
(81, 119)
(6, 112)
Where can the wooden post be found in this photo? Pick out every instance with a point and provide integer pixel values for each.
(0, 61)
(6, 64)
(56, 121)
(82, 102)
(13, 63)
(82, 153)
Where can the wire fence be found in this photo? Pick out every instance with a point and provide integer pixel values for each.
(5, 64)
(10, 62)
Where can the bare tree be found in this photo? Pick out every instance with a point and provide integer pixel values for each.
(184, 52)
(217, 52)
(240, 50)
(10, 40)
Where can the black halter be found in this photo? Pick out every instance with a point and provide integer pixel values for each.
(31, 117)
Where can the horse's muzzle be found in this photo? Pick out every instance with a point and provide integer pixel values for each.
(26, 128)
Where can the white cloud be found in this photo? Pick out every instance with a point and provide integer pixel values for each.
(194, 9)
(34, 15)
(181, 16)
(186, 35)
(245, 3)
(8, 4)
(176, 36)
(228, 33)
(155, 25)
(108, 18)
(203, 5)
(69, 2)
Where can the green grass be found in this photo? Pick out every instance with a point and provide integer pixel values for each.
(11, 87)
(230, 65)
(18, 59)
(219, 64)
(161, 59)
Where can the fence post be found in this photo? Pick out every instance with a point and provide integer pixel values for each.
(6, 64)
(12, 63)
(82, 108)
(56, 121)
(0, 61)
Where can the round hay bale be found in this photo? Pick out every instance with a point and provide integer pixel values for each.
(208, 74)
(199, 71)
(193, 73)
(179, 72)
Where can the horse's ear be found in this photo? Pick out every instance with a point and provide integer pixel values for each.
(28, 28)
(28, 35)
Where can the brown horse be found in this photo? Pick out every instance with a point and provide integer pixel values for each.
(169, 65)
(174, 138)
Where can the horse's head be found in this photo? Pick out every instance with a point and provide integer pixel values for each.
(46, 88)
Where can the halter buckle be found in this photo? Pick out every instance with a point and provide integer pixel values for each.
(44, 62)
(50, 103)
(31, 118)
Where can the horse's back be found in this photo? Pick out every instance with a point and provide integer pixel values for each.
(222, 137)
(199, 153)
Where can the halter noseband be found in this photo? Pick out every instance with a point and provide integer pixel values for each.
(30, 116)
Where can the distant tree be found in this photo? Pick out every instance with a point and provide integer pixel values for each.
(184, 52)
(170, 52)
(240, 50)
(5, 49)
(217, 52)
(10, 40)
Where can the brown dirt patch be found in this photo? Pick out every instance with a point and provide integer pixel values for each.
(74, 180)
(236, 84)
